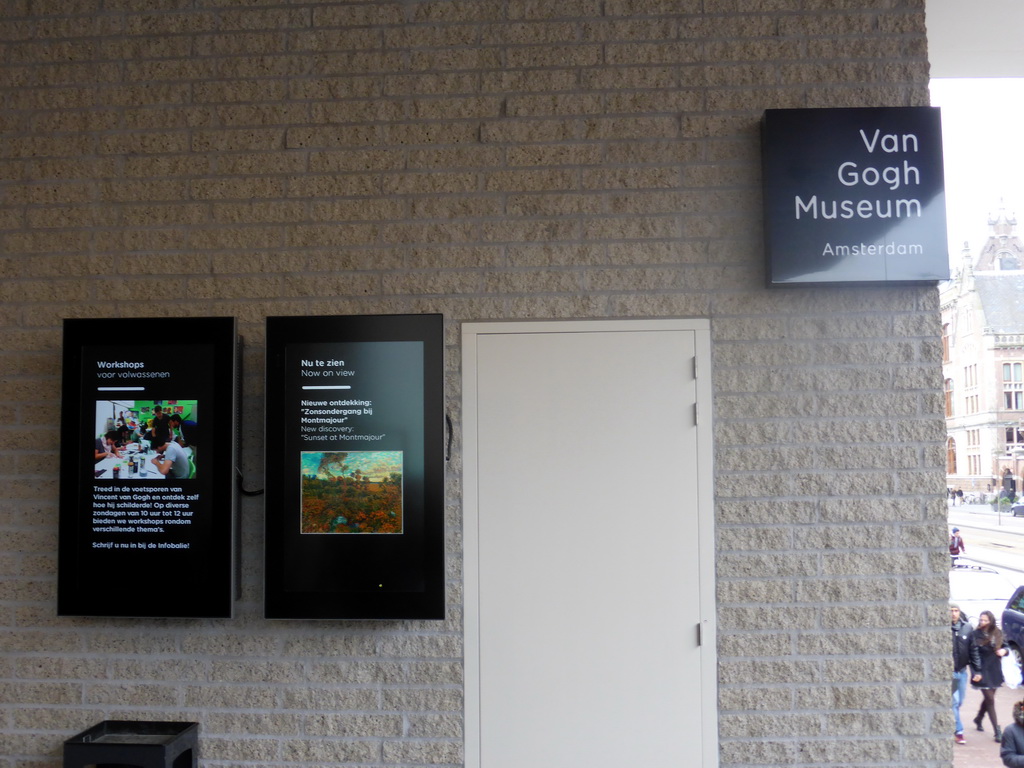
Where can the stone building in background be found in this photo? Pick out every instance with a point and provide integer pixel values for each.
(983, 361)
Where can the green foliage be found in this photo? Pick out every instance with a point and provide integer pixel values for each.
(1002, 504)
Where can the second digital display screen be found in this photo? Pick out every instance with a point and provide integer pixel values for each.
(353, 466)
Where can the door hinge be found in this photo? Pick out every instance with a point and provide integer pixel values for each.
(696, 411)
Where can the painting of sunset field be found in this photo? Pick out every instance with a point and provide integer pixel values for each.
(351, 492)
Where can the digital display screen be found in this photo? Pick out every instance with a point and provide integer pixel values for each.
(354, 471)
(148, 468)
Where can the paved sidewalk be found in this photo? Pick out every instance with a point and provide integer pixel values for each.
(981, 751)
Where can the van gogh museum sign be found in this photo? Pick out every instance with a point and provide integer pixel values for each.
(854, 196)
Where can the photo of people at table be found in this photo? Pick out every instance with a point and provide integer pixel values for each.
(146, 439)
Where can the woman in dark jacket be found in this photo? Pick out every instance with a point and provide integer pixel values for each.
(987, 675)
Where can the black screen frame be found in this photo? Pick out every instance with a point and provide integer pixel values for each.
(396, 576)
(161, 583)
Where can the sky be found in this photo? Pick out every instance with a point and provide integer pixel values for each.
(377, 465)
(983, 155)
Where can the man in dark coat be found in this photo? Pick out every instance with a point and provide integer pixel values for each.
(963, 650)
(1009, 485)
(1012, 751)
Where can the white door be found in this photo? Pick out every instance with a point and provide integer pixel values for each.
(588, 546)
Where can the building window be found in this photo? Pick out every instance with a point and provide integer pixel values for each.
(1013, 386)
(945, 343)
(971, 376)
(1014, 438)
(949, 397)
(971, 402)
(974, 465)
(950, 457)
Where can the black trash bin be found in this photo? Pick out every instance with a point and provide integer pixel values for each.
(134, 744)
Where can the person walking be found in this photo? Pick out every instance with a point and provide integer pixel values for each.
(956, 545)
(1012, 748)
(987, 672)
(965, 654)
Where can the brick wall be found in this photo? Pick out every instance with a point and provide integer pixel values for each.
(484, 159)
